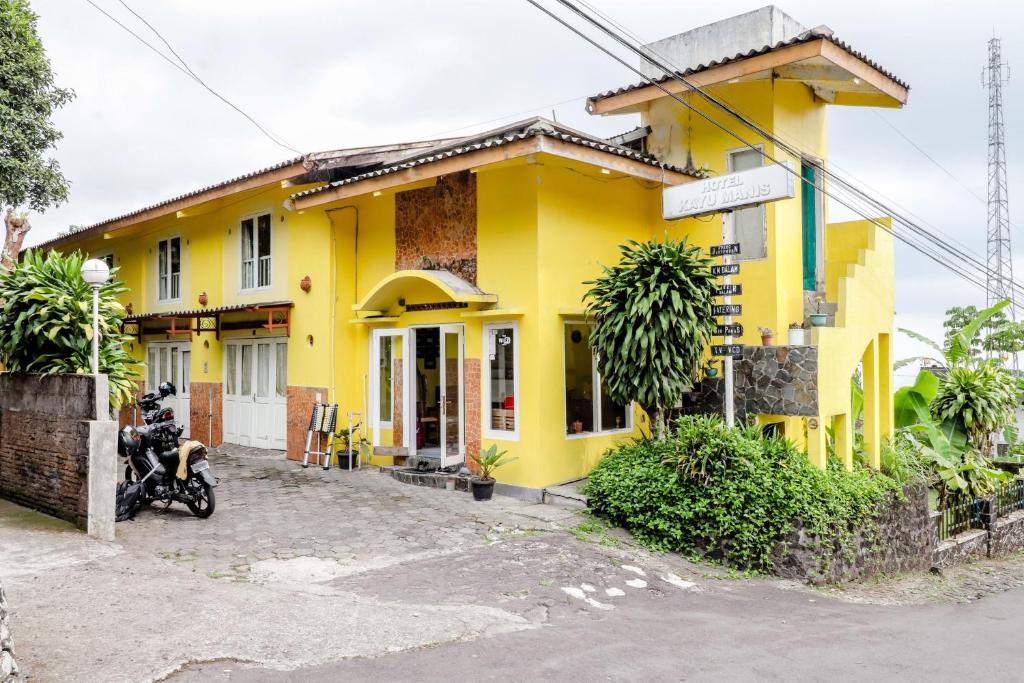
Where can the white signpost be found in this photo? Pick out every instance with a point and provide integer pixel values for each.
(723, 194)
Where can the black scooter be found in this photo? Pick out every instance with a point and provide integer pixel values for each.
(152, 459)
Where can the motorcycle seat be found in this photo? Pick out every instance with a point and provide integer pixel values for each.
(169, 459)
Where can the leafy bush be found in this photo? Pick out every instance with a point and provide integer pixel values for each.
(901, 460)
(729, 494)
(980, 398)
(46, 323)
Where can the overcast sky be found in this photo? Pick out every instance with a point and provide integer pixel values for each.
(325, 74)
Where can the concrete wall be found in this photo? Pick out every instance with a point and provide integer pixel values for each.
(58, 448)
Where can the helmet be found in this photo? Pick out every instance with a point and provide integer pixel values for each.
(167, 389)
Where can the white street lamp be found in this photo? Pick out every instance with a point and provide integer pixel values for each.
(95, 272)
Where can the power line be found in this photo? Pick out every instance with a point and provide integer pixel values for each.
(928, 248)
(185, 69)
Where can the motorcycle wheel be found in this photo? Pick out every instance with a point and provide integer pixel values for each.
(203, 507)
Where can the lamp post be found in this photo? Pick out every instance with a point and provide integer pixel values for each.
(95, 272)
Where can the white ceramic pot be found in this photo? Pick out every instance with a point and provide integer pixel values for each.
(797, 337)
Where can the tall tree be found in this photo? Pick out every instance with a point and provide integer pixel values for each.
(652, 322)
(29, 179)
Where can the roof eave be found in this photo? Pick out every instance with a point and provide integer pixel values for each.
(893, 93)
(276, 176)
(534, 144)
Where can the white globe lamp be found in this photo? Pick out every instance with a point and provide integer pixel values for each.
(95, 272)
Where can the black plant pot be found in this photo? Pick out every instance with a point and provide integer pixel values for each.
(483, 489)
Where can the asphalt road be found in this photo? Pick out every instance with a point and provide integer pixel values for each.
(749, 632)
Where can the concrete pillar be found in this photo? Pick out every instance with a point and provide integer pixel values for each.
(886, 387)
(817, 451)
(842, 425)
(872, 400)
(102, 466)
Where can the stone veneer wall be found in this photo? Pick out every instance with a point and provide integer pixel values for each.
(471, 399)
(300, 407)
(8, 667)
(199, 412)
(769, 380)
(906, 540)
(397, 404)
(435, 227)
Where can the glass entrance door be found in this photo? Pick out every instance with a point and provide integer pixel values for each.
(453, 434)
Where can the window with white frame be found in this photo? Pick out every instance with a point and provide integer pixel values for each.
(587, 408)
(168, 269)
(256, 252)
(749, 225)
(501, 379)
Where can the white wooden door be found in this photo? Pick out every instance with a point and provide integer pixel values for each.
(256, 393)
(453, 409)
(171, 362)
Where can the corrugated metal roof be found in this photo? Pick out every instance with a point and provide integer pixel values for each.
(806, 37)
(201, 312)
(521, 130)
(311, 162)
(86, 228)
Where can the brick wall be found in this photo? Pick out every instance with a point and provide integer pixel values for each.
(44, 443)
(300, 407)
(435, 227)
(199, 408)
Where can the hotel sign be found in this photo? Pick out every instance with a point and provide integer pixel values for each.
(729, 192)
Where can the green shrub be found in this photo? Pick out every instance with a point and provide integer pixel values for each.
(46, 323)
(729, 494)
(902, 461)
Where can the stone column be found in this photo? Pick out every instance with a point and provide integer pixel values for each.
(8, 667)
(872, 388)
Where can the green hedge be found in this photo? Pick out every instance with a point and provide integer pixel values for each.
(727, 493)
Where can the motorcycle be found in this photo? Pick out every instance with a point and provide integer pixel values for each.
(153, 459)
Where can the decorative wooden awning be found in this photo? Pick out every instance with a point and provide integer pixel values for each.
(198, 321)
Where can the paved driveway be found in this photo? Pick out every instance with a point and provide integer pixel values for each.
(295, 568)
(312, 575)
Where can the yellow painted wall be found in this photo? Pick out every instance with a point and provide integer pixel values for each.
(773, 286)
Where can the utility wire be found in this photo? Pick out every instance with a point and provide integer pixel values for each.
(673, 71)
(187, 70)
(928, 248)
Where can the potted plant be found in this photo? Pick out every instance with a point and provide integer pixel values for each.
(767, 336)
(710, 371)
(796, 335)
(487, 461)
(818, 319)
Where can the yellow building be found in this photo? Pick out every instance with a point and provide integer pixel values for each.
(435, 288)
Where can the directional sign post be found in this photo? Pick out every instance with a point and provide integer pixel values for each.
(728, 309)
(719, 194)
